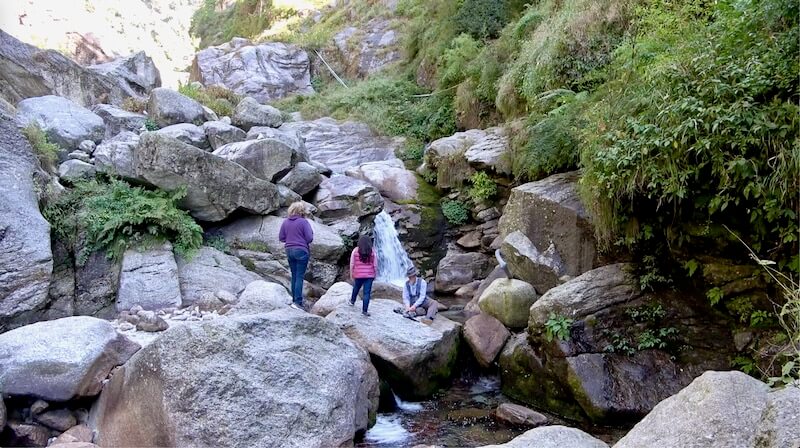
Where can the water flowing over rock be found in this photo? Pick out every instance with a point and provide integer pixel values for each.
(61, 359)
(115, 156)
(149, 278)
(390, 177)
(167, 107)
(416, 359)
(327, 245)
(284, 378)
(340, 196)
(548, 212)
(596, 367)
(66, 123)
(541, 269)
(249, 113)
(210, 271)
(486, 337)
(118, 120)
(556, 436)
(393, 261)
(215, 187)
(342, 145)
(265, 72)
(717, 409)
(267, 159)
(458, 269)
(220, 133)
(25, 254)
(27, 71)
(136, 74)
(187, 133)
(368, 50)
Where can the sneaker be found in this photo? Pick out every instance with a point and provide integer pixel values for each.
(365, 313)
(296, 306)
(352, 302)
(426, 321)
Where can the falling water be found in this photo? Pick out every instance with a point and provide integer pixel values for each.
(392, 258)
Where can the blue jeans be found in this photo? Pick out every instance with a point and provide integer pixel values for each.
(367, 284)
(298, 262)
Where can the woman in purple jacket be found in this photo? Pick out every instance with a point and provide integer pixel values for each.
(296, 236)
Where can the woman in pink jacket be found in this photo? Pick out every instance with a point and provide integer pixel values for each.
(363, 269)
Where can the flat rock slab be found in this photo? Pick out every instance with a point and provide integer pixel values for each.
(284, 378)
(61, 359)
(416, 359)
(66, 123)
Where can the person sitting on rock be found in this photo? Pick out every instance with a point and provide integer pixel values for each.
(415, 297)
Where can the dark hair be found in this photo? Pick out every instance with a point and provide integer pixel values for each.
(364, 248)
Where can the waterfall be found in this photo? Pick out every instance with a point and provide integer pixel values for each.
(393, 260)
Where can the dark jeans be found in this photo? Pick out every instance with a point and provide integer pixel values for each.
(298, 262)
(367, 284)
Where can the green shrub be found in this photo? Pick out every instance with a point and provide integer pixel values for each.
(455, 212)
(219, 99)
(46, 152)
(483, 187)
(483, 19)
(456, 60)
(150, 125)
(244, 18)
(115, 216)
(558, 327)
(217, 242)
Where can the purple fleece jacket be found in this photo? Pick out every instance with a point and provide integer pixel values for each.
(296, 232)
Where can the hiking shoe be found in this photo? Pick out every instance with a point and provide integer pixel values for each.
(426, 321)
(296, 306)
(352, 302)
(365, 313)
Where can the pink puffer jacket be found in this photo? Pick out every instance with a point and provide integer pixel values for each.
(359, 269)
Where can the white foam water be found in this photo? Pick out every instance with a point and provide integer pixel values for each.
(407, 406)
(393, 260)
(388, 429)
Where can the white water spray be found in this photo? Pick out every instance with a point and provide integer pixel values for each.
(393, 260)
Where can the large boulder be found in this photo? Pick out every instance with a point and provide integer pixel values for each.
(27, 71)
(187, 133)
(266, 159)
(284, 378)
(260, 297)
(74, 170)
(415, 359)
(215, 187)
(556, 436)
(596, 339)
(337, 295)
(486, 337)
(61, 359)
(342, 145)
(220, 133)
(250, 113)
(210, 271)
(390, 177)
(167, 107)
(368, 50)
(96, 285)
(469, 150)
(508, 301)
(327, 245)
(266, 72)
(548, 212)
(115, 156)
(66, 123)
(25, 252)
(340, 196)
(149, 278)
(458, 269)
(302, 179)
(118, 120)
(543, 270)
(136, 74)
(719, 409)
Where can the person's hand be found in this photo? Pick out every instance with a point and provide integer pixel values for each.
(412, 308)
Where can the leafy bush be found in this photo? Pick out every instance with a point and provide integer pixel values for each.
(46, 152)
(456, 60)
(455, 212)
(558, 327)
(115, 216)
(219, 99)
(483, 187)
(150, 125)
(214, 23)
(217, 242)
(133, 104)
(483, 19)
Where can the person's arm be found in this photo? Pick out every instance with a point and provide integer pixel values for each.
(308, 232)
(352, 262)
(406, 298)
(282, 233)
(422, 290)
(375, 263)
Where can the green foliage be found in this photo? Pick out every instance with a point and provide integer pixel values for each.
(454, 63)
(482, 19)
(455, 212)
(217, 242)
(745, 364)
(646, 313)
(115, 216)
(619, 344)
(483, 187)
(134, 104)
(558, 327)
(714, 295)
(46, 152)
(413, 151)
(214, 23)
(150, 125)
(650, 273)
(219, 99)
(702, 127)
(255, 246)
(659, 338)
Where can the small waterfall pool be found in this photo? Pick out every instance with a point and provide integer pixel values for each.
(393, 260)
